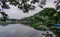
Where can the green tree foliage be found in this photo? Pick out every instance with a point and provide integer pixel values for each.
(47, 17)
(57, 5)
(23, 4)
(5, 5)
(50, 16)
(5, 16)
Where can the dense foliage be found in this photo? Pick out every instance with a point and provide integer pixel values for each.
(27, 5)
(47, 17)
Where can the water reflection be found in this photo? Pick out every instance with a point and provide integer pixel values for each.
(18, 30)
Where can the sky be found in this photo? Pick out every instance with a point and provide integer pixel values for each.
(16, 13)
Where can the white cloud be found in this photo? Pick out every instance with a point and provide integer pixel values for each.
(50, 3)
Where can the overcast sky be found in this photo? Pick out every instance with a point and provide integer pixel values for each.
(14, 12)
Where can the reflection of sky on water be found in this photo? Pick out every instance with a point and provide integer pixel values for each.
(17, 30)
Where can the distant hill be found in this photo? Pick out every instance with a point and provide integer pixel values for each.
(47, 17)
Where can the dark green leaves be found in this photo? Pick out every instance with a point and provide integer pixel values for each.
(23, 4)
(47, 17)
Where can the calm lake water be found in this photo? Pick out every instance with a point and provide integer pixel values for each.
(18, 30)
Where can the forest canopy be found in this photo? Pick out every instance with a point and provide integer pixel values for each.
(47, 17)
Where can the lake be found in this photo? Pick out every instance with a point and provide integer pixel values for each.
(18, 30)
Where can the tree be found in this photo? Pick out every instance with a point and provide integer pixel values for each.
(5, 16)
(57, 5)
(47, 17)
(23, 4)
(51, 16)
